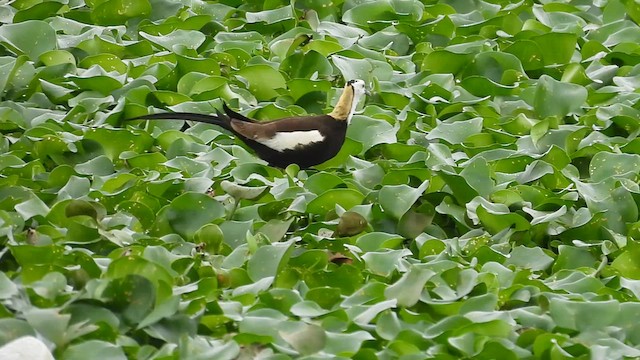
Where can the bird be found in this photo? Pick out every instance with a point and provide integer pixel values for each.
(303, 140)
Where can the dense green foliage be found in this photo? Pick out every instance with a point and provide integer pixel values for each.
(486, 201)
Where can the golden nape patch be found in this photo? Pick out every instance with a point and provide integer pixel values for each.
(344, 105)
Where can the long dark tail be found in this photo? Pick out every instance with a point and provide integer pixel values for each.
(220, 119)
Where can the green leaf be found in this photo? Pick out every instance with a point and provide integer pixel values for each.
(56, 326)
(384, 263)
(555, 98)
(306, 339)
(113, 12)
(398, 199)
(270, 16)
(604, 165)
(21, 38)
(325, 202)
(269, 260)
(262, 80)
(32, 207)
(134, 265)
(577, 315)
(627, 262)
(363, 69)
(407, 290)
(7, 287)
(189, 212)
(87, 349)
(366, 14)
(378, 240)
(370, 132)
(177, 39)
(529, 258)
(11, 329)
(38, 12)
(303, 66)
(456, 132)
(100, 166)
(242, 192)
(346, 344)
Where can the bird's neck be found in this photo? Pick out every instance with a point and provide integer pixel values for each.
(346, 105)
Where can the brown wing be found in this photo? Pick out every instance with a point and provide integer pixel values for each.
(267, 130)
(253, 131)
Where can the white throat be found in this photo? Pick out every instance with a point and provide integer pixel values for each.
(358, 93)
(356, 99)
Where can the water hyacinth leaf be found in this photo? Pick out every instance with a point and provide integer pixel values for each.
(57, 57)
(7, 287)
(32, 207)
(496, 218)
(20, 37)
(276, 229)
(37, 12)
(556, 47)
(242, 192)
(364, 69)
(107, 351)
(113, 12)
(117, 141)
(308, 309)
(398, 199)
(626, 263)
(176, 39)
(81, 207)
(378, 240)
(493, 65)
(307, 339)
(163, 310)
(367, 13)
(189, 212)
(322, 181)
(100, 166)
(407, 290)
(108, 62)
(50, 323)
(371, 312)
(269, 260)
(616, 203)
(604, 165)
(478, 175)
(11, 329)
(555, 98)
(384, 263)
(303, 66)
(325, 202)
(370, 132)
(262, 80)
(456, 132)
(576, 315)
(529, 258)
(346, 343)
(133, 296)
(270, 16)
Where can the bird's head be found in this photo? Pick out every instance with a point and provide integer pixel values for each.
(359, 88)
(353, 91)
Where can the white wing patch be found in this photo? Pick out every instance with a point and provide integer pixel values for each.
(290, 140)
